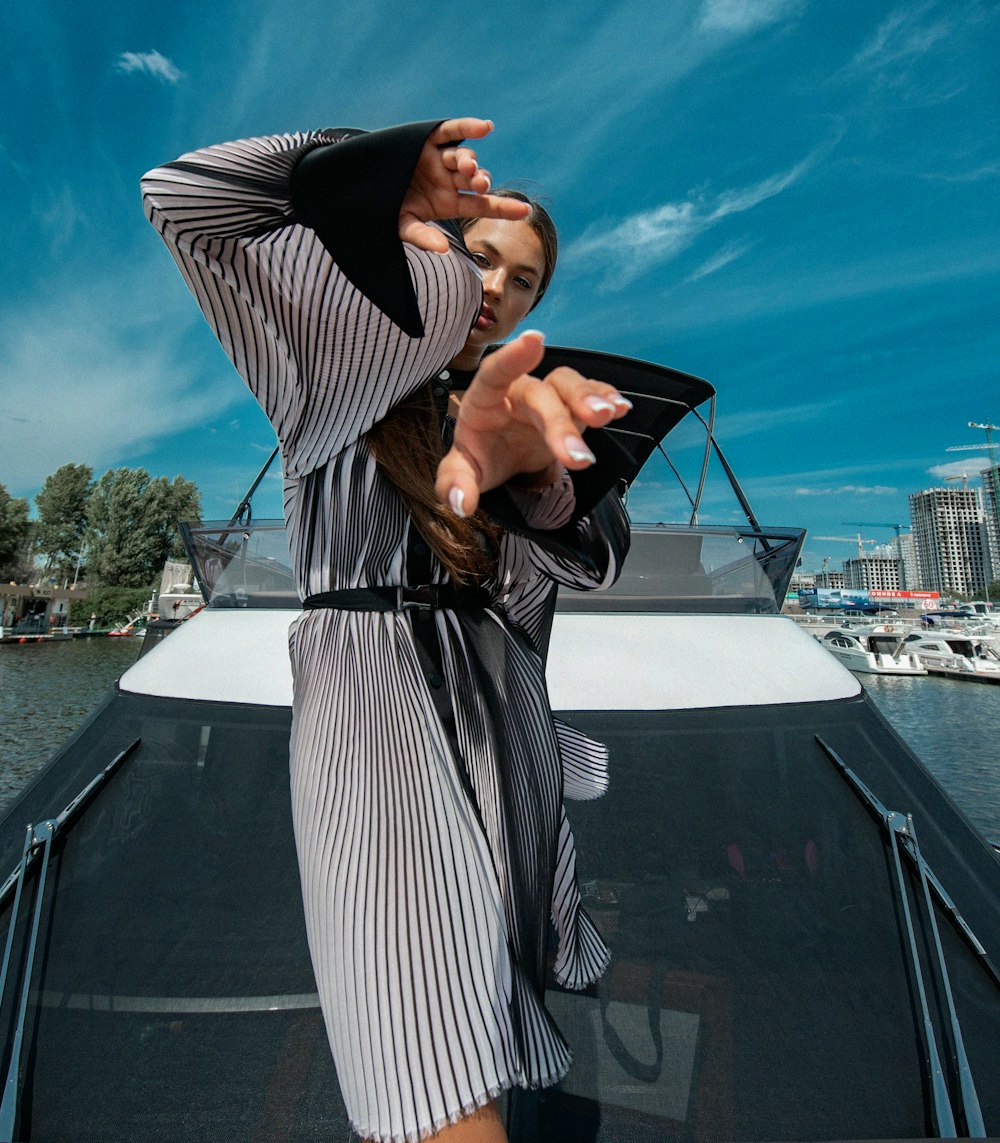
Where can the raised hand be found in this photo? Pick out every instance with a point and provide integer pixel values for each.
(510, 423)
(448, 182)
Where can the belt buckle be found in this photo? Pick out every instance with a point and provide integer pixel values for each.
(428, 604)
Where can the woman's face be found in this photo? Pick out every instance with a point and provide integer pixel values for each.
(512, 261)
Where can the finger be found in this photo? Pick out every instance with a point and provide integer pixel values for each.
(485, 205)
(594, 403)
(424, 237)
(538, 403)
(481, 182)
(454, 130)
(414, 230)
(457, 483)
(466, 171)
(461, 159)
(501, 369)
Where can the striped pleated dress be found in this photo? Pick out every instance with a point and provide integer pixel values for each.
(427, 789)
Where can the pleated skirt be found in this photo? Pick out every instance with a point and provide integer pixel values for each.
(433, 862)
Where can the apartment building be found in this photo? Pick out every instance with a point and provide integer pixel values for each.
(951, 538)
(881, 571)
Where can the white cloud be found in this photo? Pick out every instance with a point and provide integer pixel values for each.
(90, 382)
(16, 165)
(740, 16)
(902, 37)
(975, 175)
(653, 237)
(728, 253)
(813, 285)
(849, 490)
(59, 216)
(731, 426)
(148, 63)
(971, 468)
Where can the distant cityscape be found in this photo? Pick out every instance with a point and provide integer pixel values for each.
(951, 545)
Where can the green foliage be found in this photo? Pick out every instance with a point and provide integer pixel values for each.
(132, 525)
(111, 605)
(61, 504)
(15, 531)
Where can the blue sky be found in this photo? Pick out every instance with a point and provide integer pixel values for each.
(796, 200)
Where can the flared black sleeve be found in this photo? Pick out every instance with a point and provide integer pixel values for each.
(350, 193)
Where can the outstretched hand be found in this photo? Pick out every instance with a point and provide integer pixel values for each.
(448, 182)
(510, 423)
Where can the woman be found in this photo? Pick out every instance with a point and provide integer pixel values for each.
(427, 772)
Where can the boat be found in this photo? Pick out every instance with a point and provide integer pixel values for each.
(805, 929)
(956, 655)
(178, 603)
(134, 625)
(877, 649)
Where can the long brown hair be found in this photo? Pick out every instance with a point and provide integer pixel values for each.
(408, 446)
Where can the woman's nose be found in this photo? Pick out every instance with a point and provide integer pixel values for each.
(493, 282)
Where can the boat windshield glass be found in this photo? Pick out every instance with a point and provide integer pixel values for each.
(671, 567)
(712, 570)
(242, 565)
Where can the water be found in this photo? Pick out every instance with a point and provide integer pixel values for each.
(47, 690)
(953, 727)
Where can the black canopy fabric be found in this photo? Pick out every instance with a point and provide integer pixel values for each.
(660, 397)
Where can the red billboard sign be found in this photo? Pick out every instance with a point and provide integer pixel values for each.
(878, 593)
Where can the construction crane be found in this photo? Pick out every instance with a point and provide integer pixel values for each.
(963, 476)
(897, 528)
(848, 540)
(990, 446)
(989, 430)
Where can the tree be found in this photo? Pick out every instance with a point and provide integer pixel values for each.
(61, 504)
(132, 525)
(108, 605)
(173, 501)
(15, 530)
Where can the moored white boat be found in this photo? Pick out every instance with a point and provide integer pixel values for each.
(956, 655)
(874, 650)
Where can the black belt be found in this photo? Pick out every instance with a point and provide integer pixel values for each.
(435, 597)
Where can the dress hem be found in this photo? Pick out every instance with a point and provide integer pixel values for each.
(476, 1104)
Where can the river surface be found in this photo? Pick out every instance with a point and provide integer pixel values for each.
(47, 690)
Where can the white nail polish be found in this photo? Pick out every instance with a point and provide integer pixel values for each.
(489, 181)
(578, 450)
(536, 332)
(622, 402)
(599, 405)
(456, 498)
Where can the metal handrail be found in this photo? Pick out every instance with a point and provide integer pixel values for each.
(902, 832)
(71, 810)
(12, 1084)
(970, 1097)
(37, 848)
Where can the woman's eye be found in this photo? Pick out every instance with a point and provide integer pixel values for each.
(480, 258)
(523, 283)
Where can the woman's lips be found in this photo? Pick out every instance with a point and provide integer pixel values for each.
(487, 318)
